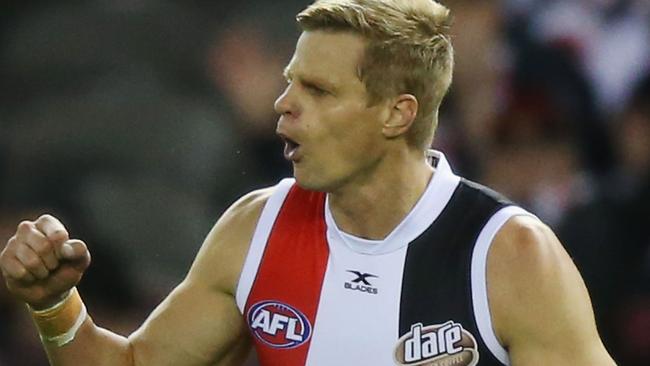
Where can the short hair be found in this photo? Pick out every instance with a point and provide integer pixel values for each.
(408, 50)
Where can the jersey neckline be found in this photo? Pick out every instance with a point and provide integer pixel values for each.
(441, 187)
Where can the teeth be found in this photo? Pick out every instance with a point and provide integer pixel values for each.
(290, 148)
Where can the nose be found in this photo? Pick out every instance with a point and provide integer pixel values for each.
(286, 105)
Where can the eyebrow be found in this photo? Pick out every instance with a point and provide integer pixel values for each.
(309, 80)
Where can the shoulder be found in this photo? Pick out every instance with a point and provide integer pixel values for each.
(536, 292)
(524, 263)
(524, 241)
(247, 208)
(222, 254)
(237, 223)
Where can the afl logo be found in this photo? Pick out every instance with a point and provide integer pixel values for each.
(278, 325)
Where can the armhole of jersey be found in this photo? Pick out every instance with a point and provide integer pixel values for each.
(479, 279)
(260, 237)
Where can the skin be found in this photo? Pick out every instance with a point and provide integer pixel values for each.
(348, 148)
(356, 153)
(540, 308)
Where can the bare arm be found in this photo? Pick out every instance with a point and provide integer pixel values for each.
(540, 307)
(197, 324)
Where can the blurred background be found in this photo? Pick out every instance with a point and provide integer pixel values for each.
(137, 122)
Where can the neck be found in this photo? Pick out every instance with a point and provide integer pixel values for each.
(372, 206)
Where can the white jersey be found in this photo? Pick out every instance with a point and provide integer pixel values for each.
(314, 295)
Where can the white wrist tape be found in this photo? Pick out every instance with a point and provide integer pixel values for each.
(67, 337)
(60, 323)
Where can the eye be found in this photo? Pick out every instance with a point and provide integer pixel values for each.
(315, 90)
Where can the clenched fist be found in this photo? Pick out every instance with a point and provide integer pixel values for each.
(41, 263)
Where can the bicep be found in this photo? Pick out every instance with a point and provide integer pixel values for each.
(199, 323)
(541, 307)
(192, 326)
(560, 329)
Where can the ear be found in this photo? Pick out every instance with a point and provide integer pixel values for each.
(402, 114)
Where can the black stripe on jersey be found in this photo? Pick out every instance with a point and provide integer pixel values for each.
(436, 285)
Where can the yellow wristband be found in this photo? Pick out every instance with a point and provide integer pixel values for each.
(59, 323)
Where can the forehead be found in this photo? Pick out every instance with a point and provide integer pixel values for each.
(332, 55)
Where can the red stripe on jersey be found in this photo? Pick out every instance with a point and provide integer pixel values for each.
(282, 305)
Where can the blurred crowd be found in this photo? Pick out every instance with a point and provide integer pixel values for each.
(137, 122)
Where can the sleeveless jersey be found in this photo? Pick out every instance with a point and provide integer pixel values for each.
(314, 295)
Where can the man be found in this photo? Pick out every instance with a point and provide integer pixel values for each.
(372, 256)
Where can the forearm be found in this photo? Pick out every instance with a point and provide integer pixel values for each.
(92, 345)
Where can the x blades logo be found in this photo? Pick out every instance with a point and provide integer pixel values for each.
(361, 283)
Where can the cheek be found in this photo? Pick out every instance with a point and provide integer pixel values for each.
(343, 132)
(352, 125)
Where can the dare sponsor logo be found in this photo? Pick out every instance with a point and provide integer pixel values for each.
(278, 325)
(437, 345)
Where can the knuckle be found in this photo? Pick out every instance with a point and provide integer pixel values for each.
(45, 217)
(89, 260)
(40, 248)
(52, 265)
(22, 273)
(32, 262)
(24, 226)
(8, 247)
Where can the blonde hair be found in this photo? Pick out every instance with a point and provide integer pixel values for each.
(408, 51)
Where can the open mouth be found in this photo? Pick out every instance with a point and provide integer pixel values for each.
(290, 149)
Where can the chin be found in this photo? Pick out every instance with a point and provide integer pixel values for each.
(309, 184)
(310, 181)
